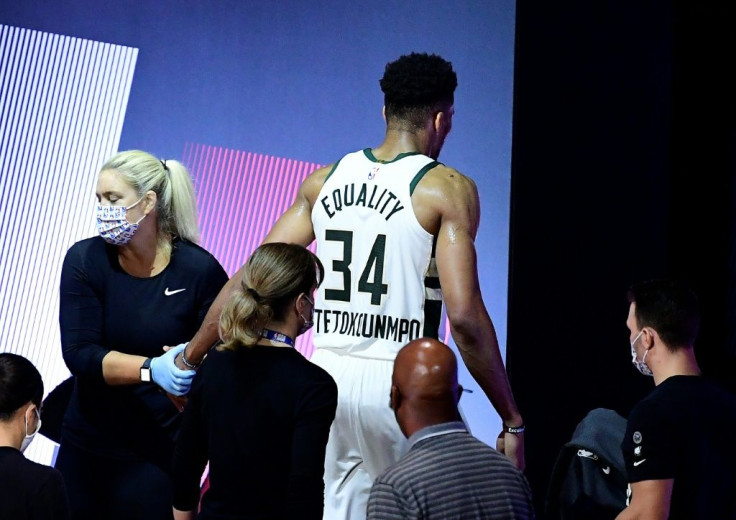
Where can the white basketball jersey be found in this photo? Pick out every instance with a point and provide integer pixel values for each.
(381, 288)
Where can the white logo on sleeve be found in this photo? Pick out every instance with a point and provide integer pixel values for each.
(167, 292)
(639, 462)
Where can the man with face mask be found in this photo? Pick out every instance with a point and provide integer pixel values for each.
(679, 443)
(27, 490)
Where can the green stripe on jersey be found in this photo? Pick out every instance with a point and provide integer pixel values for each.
(420, 174)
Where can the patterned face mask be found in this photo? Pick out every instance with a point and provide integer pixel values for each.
(112, 225)
(641, 366)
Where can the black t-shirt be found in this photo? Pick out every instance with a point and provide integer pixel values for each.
(685, 430)
(103, 308)
(261, 416)
(28, 490)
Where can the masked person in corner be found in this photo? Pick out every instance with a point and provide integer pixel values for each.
(28, 490)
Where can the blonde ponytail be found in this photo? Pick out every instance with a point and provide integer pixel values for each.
(274, 275)
(177, 204)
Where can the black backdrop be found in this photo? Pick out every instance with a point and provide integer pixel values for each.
(622, 170)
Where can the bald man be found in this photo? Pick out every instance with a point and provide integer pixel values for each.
(447, 473)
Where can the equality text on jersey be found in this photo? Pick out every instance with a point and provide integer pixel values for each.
(385, 202)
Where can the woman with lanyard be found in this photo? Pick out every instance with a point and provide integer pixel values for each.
(259, 411)
(144, 283)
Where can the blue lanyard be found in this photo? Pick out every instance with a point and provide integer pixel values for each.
(277, 336)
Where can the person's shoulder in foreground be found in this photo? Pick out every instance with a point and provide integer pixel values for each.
(447, 472)
(451, 475)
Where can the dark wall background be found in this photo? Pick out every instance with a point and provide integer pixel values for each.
(622, 170)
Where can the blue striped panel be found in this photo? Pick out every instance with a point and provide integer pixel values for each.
(62, 105)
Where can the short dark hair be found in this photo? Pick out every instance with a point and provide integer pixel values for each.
(20, 382)
(416, 84)
(668, 306)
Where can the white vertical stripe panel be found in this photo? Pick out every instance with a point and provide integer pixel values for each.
(62, 105)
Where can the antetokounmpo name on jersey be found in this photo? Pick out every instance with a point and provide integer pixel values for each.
(384, 201)
(366, 325)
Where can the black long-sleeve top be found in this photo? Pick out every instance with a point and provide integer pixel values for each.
(103, 308)
(261, 416)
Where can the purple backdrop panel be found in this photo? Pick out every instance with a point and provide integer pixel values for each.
(240, 195)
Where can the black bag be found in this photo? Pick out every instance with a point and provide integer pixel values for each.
(54, 408)
(589, 477)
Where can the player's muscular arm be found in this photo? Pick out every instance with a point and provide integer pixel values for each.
(294, 226)
(472, 328)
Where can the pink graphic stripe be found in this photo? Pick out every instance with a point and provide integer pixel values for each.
(240, 195)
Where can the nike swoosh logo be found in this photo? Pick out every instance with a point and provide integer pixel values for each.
(639, 462)
(169, 293)
(606, 470)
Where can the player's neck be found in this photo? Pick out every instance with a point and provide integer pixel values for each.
(401, 141)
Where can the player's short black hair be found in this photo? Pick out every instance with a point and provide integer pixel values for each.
(414, 84)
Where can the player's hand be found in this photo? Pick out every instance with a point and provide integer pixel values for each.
(167, 375)
(512, 445)
(177, 360)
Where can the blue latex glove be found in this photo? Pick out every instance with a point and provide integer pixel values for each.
(170, 377)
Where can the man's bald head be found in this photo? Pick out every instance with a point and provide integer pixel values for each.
(424, 385)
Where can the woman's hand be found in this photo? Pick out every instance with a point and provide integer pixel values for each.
(170, 377)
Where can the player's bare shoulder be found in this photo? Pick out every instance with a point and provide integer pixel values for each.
(444, 193)
(312, 185)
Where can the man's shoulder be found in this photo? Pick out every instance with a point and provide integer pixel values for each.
(443, 174)
(425, 454)
(458, 456)
(447, 187)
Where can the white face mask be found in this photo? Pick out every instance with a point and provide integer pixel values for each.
(112, 225)
(641, 366)
(29, 436)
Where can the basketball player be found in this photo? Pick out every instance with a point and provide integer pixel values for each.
(395, 230)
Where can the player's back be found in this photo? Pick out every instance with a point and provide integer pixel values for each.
(381, 288)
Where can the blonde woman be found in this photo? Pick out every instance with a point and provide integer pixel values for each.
(142, 284)
(259, 411)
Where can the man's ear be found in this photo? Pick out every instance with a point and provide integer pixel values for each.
(647, 339)
(383, 112)
(395, 398)
(439, 120)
